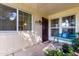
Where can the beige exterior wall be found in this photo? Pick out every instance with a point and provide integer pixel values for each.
(11, 41)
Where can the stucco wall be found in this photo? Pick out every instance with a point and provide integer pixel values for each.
(11, 41)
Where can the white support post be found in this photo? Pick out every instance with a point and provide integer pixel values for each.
(60, 25)
(49, 29)
(32, 24)
(17, 22)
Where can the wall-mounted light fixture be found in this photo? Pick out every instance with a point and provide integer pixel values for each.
(38, 22)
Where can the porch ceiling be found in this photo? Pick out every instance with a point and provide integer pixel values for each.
(47, 8)
(51, 8)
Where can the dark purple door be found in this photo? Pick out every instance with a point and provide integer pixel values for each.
(44, 29)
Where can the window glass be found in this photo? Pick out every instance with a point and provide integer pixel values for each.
(54, 32)
(55, 27)
(68, 21)
(55, 22)
(68, 26)
(7, 18)
(24, 21)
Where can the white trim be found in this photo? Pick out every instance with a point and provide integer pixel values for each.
(49, 29)
(76, 20)
(17, 21)
(17, 25)
(60, 25)
(32, 25)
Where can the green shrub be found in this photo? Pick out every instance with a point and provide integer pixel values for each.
(60, 52)
(71, 51)
(54, 53)
(76, 44)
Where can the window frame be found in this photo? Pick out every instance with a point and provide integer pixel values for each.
(31, 25)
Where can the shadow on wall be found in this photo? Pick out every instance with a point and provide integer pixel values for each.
(30, 36)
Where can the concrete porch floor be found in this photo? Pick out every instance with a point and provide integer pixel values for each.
(36, 50)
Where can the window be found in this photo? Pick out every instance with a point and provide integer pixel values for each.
(69, 32)
(55, 23)
(7, 18)
(68, 21)
(66, 29)
(54, 32)
(68, 26)
(24, 21)
(55, 27)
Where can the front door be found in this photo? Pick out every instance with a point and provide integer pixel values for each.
(44, 29)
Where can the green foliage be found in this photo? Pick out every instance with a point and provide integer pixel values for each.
(60, 52)
(54, 53)
(77, 33)
(71, 51)
(76, 44)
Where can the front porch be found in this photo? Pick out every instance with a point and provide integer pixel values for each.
(29, 33)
